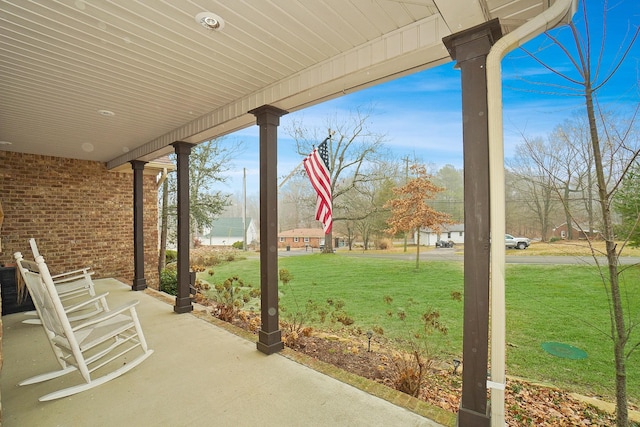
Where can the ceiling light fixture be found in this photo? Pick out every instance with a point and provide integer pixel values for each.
(210, 21)
(106, 113)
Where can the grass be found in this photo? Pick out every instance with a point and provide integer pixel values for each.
(567, 304)
(572, 248)
(544, 303)
(537, 248)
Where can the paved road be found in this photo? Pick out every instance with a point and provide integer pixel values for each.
(566, 260)
(451, 255)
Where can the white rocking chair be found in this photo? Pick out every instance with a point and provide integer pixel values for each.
(69, 283)
(74, 289)
(88, 345)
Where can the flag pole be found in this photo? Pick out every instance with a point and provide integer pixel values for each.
(291, 174)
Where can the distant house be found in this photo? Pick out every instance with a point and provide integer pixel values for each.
(227, 231)
(301, 238)
(453, 232)
(562, 232)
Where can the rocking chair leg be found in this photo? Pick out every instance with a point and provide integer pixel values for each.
(98, 381)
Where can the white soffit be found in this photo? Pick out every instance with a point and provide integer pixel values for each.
(400, 52)
(119, 80)
(458, 17)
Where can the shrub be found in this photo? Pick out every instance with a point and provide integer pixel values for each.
(170, 256)
(377, 330)
(385, 244)
(343, 318)
(412, 369)
(231, 296)
(208, 259)
(212, 257)
(238, 245)
(250, 319)
(201, 285)
(169, 280)
(197, 268)
(410, 372)
(295, 320)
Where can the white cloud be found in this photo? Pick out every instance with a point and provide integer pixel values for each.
(421, 114)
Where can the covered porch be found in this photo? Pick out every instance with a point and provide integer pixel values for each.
(199, 375)
(120, 84)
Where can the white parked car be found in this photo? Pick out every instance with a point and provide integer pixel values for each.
(516, 242)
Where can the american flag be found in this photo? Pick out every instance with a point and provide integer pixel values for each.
(318, 172)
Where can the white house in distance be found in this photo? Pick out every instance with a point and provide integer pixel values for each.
(453, 232)
(227, 231)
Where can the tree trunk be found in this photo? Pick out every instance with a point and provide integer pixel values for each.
(328, 243)
(162, 257)
(567, 214)
(618, 331)
(418, 251)
(349, 238)
(590, 199)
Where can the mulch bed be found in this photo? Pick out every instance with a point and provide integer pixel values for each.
(526, 404)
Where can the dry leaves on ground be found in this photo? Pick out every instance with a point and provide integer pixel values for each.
(526, 404)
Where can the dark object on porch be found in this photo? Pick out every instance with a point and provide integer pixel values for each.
(10, 303)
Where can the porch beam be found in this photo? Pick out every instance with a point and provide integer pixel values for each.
(139, 282)
(183, 301)
(269, 336)
(470, 49)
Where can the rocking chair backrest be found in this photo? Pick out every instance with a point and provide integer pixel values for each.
(53, 305)
(31, 277)
(34, 247)
(43, 303)
(25, 265)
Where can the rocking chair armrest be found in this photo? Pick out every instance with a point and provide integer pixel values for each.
(92, 300)
(105, 315)
(80, 270)
(72, 275)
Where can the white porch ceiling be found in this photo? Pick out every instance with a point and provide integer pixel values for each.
(166, 78)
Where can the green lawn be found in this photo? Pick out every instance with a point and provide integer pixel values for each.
(564, 304)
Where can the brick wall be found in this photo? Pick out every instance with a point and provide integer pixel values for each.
(79, 213)
(314, 242)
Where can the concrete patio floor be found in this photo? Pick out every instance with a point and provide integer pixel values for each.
(199, 375)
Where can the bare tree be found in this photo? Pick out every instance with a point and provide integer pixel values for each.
(163, 201)
(352, 147)
(297, 203)
(614, 152)
(208, 163)
(532, 175)
(369, 203)
(627, 203)
(451, 199)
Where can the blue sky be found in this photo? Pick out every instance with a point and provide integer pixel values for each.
(421, 114)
